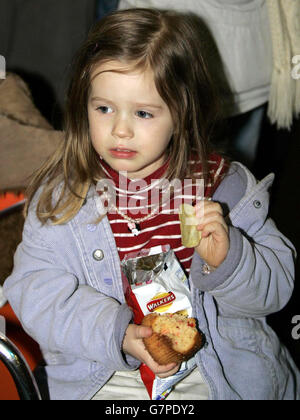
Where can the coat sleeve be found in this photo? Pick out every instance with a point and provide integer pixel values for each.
(257, 276)
(59, 310)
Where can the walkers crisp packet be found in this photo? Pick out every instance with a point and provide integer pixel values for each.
(154, 281)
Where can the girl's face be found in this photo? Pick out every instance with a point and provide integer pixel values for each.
(130, 125)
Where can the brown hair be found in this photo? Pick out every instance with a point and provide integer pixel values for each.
(171, 44)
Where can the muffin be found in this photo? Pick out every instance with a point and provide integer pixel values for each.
(175, 337)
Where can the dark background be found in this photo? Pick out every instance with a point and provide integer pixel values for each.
(38, 39)
(279, 152)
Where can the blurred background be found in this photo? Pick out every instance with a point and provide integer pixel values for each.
(38, 38)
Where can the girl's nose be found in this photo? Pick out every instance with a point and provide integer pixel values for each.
(122, 128)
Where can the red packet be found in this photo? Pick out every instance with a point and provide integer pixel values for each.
(154, 281)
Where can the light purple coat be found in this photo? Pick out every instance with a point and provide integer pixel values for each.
(70, 300)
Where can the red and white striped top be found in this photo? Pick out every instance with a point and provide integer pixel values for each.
(138, 198)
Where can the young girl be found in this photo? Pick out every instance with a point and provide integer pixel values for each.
(142, 107)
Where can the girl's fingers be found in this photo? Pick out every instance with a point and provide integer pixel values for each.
(161, 370)
(170, 372)
(216, 229)
(142, 331)
(203, 208)
(214, 245)
(213, 217)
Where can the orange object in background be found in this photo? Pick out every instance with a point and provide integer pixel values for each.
(25, 344)
(14, 331)
(9, 199)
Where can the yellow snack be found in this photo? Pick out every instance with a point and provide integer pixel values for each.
(190, 236)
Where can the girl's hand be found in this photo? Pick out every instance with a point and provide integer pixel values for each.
(214, 244)
(133, 345)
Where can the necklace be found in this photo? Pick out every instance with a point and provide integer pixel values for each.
(134, 224)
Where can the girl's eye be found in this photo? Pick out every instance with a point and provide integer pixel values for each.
(105, 109)
(144, 114)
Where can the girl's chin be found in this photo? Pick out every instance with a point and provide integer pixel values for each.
(129, 167)
(134, 169)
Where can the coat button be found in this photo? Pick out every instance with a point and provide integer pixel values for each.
(257, 204)
(98, 255)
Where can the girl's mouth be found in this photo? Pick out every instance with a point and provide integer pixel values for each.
(121, 153)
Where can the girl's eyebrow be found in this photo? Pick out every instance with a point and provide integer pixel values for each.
(98, 98)
(147, 105)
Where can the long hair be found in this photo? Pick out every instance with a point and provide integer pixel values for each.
(172, 45)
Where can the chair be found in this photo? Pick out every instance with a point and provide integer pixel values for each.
(17, 366)
(19, 356)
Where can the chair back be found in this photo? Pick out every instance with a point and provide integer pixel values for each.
(16, 364)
